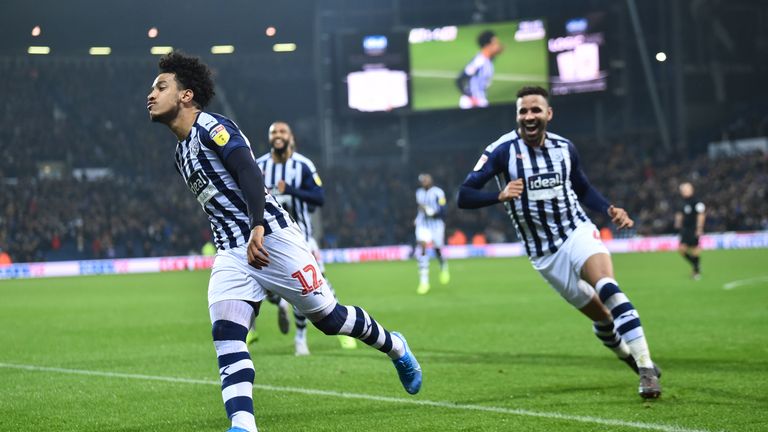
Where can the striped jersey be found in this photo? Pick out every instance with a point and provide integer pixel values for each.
(548, 210)
(430, 201)
(480, 74)
(200, 161)
(298, 172)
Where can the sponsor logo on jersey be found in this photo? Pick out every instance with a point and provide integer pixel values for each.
(544, 181)
(219, 135)
(201, 187)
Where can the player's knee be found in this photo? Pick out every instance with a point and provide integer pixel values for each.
(332, 323)
(227, 330)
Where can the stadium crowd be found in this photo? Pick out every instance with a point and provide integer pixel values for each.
(137, 205)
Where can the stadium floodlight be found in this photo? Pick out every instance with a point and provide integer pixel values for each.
(39, 50)
(36, 30)
(222, 49)
(100, 51)
(284, 47)
(161, 50)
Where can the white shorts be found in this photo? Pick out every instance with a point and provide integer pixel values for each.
(434, 234)
(315, 249)
(292, 273)
(563, 268)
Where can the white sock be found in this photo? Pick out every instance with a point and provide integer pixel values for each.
(639, 349)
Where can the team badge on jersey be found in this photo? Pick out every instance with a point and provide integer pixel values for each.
(556, 155)
(194, 147)
(219, 135)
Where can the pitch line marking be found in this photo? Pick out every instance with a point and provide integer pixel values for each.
(743, 282)
(346, 395)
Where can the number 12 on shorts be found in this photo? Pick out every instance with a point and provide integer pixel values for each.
(306, 287)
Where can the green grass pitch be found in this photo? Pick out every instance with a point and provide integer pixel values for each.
(499, 349)
(435, 66)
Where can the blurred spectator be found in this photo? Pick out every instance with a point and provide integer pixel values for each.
(458, 238)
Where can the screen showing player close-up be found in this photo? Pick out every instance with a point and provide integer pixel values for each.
(476, 66)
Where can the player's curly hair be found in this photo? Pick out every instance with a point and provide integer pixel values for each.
(533, 90)
(191, 74)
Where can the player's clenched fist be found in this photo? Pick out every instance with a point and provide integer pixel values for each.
(513, 190)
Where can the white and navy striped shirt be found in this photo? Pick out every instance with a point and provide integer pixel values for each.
(479, 74)
(200, 161)
(548, 210)
(299, 173)
(434, 200)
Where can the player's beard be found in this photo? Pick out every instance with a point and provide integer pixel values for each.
(281, 150)
(167, 116)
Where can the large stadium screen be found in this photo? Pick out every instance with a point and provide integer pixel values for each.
(475, 66)
(576, 61)
(373, 69)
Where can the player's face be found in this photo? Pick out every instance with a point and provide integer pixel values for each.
(496, 47)
(280, 137)
(533, 115)
(165, 100)
(425, 180)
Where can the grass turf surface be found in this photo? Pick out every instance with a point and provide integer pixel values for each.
(497, 336)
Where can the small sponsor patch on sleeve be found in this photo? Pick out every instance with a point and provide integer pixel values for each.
(316, 177)
(441, 201)
(481, 162)
(219, 135)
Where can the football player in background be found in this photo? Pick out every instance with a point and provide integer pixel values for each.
(430, 230)
(294, 182)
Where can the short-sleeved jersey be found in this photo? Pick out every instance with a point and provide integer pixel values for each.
(691, 208)
(480, 73)
(200, 161)
(300, 173)
(548, 210)
(434, 200)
